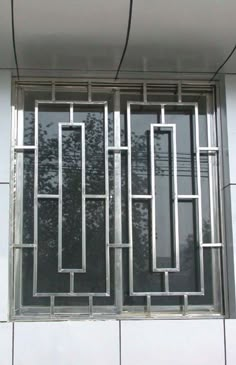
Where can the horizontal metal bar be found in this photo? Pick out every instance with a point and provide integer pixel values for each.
(73, 102)
(166, 269)
(117, 149)
(71, 124)
(119, 245)
(24, 148)
(108, 316)
(95, 196)
(141, 196)
(163, 294)
(45, 295)
(109, 83)
(209, 149)
(48, 196)
(162, 125)
(112, 308)
(81, 271)
(161, 103)
(212, 245)
(188, 197)
(24, 245)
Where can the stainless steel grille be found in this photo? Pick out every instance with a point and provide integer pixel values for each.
(145, 133)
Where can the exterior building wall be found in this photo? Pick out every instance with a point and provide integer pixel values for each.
(127, 342)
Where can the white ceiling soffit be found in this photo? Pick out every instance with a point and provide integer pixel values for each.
(77, 34)
(182, 36)
(6, 50)
(89, 35)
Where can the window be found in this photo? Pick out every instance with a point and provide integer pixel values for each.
(116, 201)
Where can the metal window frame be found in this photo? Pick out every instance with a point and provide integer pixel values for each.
(18, 246)
(163, 125)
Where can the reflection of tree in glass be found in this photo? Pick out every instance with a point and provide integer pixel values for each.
(48, 213)
(48, 219)
(144, 278)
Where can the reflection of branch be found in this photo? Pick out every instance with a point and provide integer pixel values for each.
(48, 183)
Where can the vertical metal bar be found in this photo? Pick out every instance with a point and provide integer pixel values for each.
(213, 206)
(117, 206)
(219, 125)
(179, 92)
(107, 202)
(83, 198)
(35, 261)
(130, 219)
(145, 92)
(167, 289)
(149, 304)
(52, 304)
(53, 91)
(185, 308)
(19, 201)
(199, 190)
(89, 91)
(12, 279)
(60, 192)
(72, 282)
(71, 113)
(176, 211)
(90, 305)
(153, 200)
(210, 174)
(162, 114)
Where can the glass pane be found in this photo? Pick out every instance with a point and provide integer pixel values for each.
(188, 279)
(71, 198)
(93, 118)
(49, 118)
(141, 118)
(182, 117)
(29, 113)
(94, 280)
(164, 198)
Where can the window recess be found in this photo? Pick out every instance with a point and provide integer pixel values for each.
(116, 201)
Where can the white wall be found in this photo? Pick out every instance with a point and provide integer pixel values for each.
(5, 129)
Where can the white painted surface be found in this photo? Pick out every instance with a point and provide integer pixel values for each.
(6, 343)
(182, 36)
(179, 342)
(4, 251)
(230, 333)
(231, 245)
(5, 124)
(230, 93)
(67, 343)
(6, 54)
